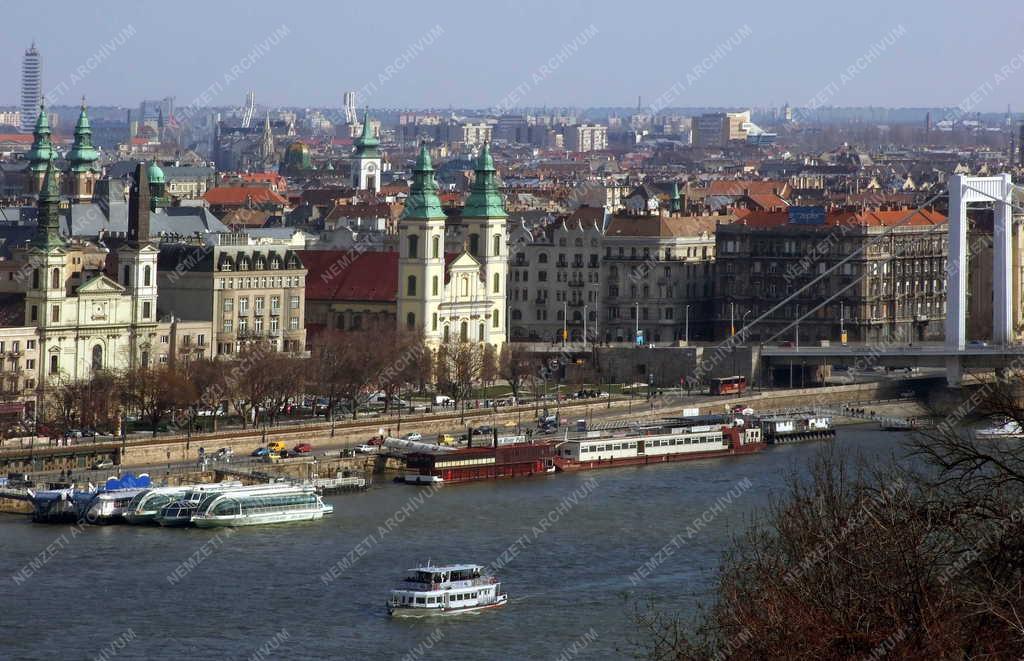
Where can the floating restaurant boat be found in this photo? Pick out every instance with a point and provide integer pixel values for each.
(675, 439)
(480, 463)
(110, 506)
(446, 590)
(59, 505)
(248, 508)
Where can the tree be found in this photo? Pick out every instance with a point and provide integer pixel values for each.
(154, 391)
(920, 561)
(515, 366)
(459, 366)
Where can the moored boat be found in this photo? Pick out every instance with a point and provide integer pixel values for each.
(1003, 428)
(145, 507)
(179, 513)
(247, 508)
(446, 590)
(654, 443)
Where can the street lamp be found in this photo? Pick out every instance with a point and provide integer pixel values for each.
(636, 335)
(687, 336)
(584, 326)
(565, 321)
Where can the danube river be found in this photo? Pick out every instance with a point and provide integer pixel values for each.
(569, 549)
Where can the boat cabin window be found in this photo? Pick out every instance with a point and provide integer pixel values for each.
(421, 600)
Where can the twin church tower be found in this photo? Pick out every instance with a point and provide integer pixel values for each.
(460, 296)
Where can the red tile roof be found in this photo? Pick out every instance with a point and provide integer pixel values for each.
(768, 219)
(237, 195)
(24, 138)
(347, 275)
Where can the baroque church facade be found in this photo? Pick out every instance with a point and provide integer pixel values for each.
(453, 297)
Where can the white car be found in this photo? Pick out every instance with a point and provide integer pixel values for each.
(414, 436)
(103, 464)
(365, 449)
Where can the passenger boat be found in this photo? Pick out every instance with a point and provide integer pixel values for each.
(146, 505)
(110, 506)
(674, 439)
(446, 590)
(59, 505)
(179, 513)
(1003, 428)
(248, 508)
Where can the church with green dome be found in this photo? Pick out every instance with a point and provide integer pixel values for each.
(83, 162)
(297, 161)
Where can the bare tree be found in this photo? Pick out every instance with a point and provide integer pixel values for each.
(459, 367)
(515, 366)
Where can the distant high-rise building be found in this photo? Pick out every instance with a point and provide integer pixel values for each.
(586, 137)
(349, 101)
(719, 128)
(31, 88)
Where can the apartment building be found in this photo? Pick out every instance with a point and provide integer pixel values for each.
(894, 289)
(586, 137)
(251, 290)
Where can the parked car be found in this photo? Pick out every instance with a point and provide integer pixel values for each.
(414, 436)
(103, 464)
(224, 453)
(260, 452)
(302, 448)
(376, 440)
(484, 430)
(977, 343)
(284, 454)
(277, 446)
(365, 448)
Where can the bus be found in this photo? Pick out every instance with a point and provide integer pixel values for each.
(728, 385)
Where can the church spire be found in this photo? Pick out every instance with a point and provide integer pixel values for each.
(138, 205)
(423, 203)
(484, 199)
(42, 148)
(48, 205)
(83, 155)
(367, 143)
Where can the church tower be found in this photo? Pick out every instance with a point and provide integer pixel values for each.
(421, 253)
(136, 262)
(366, 160)
(41, 153)
(46, 292)
(485, 220)
(83, 158)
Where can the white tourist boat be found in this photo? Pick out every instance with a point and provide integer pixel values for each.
(1004, 428)
(251, 508)
(180, 512)
(145, 507)
(446, 590)
(110, 506)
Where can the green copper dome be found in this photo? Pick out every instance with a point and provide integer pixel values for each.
(367, 143)
(484, 199)
(423, 203)
(83, 155)
(155, 174)
(297, 157)
(42, 151)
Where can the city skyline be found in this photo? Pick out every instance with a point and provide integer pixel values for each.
(757, 56)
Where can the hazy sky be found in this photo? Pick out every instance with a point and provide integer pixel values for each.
(489, 53)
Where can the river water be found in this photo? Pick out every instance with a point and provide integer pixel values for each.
(569, 550)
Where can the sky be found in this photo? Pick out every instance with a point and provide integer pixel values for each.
(503, 53)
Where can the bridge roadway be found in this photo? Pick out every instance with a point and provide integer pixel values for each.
(955, 361)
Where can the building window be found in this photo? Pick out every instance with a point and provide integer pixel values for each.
(410, 320)
(293, 302)
(434, 286)
(34, 313)
(54, 365)
(435, 250)
(481, 332)
(275, 325)
(257, 324)
(227, 325)
(474, 244)
(497, 283)
(165, 339)
(30, 364)
(497, 245)
(127, 275)
(147, 276)
(464, 332)
(410, 287)
(494, 322)
(35, 278)
(201, 340)
(243, 305)
(433, 322)
(30, 344)
(145, 359)
(55, 279)
(243, 325)
(97, 357)
(446, 333)
(293, 323)
(413, 242)
(258, 303)
(55, 314)
(229, 304)
(146, 309)
(275, 305)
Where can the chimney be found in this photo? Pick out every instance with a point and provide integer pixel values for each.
(138, 206)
